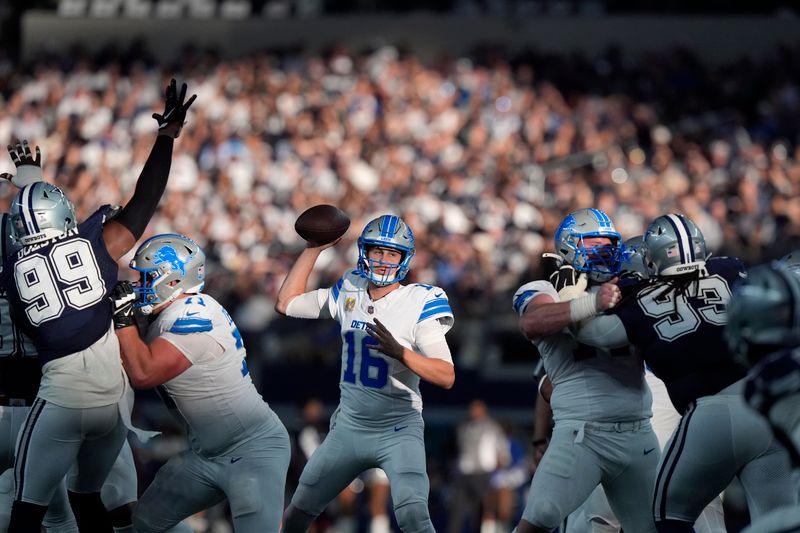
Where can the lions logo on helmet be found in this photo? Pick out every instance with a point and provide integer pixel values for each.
(387, 231)
(170, 265)
(764, 313)
(674, 245)
(601, 263)
(41, 212)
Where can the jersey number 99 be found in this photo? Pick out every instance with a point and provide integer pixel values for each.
(70, 263)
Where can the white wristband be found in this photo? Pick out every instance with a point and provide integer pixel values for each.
(583, 308)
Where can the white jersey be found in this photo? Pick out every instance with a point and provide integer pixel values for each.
(591, 384)
(215, 395)
(377, 390)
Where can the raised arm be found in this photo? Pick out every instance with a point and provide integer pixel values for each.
(121, 234)
(296, 280)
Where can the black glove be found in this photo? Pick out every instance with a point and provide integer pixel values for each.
(123, 298)
(29, 168)
(568, 282)
(171, 122)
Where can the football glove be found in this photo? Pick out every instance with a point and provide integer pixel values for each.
(172, 120)
(123, 298)
(29, 168)
(569, 283)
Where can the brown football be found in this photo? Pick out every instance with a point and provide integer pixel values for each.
(322, 224)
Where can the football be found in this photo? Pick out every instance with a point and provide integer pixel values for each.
(322, 224)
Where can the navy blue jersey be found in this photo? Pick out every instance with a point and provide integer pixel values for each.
(678, 326)
(19, 369)
(59, 290)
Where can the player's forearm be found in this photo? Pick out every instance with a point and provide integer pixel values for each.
(297, 278)
(435, 371)
(136, 357)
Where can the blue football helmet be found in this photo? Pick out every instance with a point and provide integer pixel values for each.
(387, 231)
(633, 262)
(601, 263)
(41, 212)
(162, 260)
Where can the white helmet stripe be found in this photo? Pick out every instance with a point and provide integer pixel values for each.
(26, 213)
(684, 239)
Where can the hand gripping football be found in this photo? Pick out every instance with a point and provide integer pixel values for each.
(322, 224)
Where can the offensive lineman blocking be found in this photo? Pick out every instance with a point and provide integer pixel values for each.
(379, 419)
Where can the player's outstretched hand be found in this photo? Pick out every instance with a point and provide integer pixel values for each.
(174, 116)
(608, 296)
(569, 282)
(29, 167)
(123, 298)
(386, 341)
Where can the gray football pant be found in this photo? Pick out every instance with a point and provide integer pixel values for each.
(348, 450)
(253, 483)
(582, 455)
(54, 438)
(719, 437)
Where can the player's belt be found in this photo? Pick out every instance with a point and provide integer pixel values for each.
(619, 427)
(8, 401)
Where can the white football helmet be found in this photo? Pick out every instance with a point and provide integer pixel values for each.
(40, 212)
(170, 265)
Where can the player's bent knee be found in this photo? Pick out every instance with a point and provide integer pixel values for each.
(545, 514)
(295, 520)
(414, 518)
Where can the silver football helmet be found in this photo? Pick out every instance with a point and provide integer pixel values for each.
(40, 212)
(674, 245)
(601, 263)
(387, 231)
(170, 265)
(791, 261)
(633, 262)
(764, 313)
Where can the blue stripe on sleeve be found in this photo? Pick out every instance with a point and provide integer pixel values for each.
(522, 300)
(439, 310)
(191, 325)
(336, 288)
(433, 303)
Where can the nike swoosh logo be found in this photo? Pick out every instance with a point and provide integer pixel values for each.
(235, 459)
(193, 314)
(399, 428)
(648, 451)
(437, 295)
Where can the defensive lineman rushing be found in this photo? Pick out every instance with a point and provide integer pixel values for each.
(676, 323)
(600, 402)
(239, 447)
(392, 335)
(58, 285)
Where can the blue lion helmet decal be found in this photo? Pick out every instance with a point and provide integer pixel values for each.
(167, 254)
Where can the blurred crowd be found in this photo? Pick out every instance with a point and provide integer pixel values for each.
(482, 157)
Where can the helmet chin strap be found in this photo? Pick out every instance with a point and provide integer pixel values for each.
(150, 309)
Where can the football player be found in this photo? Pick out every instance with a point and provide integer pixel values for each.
(393, 335)
(239, 447)
(58, 284)
(763, 330)
(676, 322)
(600, 402)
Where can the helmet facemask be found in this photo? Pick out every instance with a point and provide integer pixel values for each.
(600, 262)
(390, 232)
